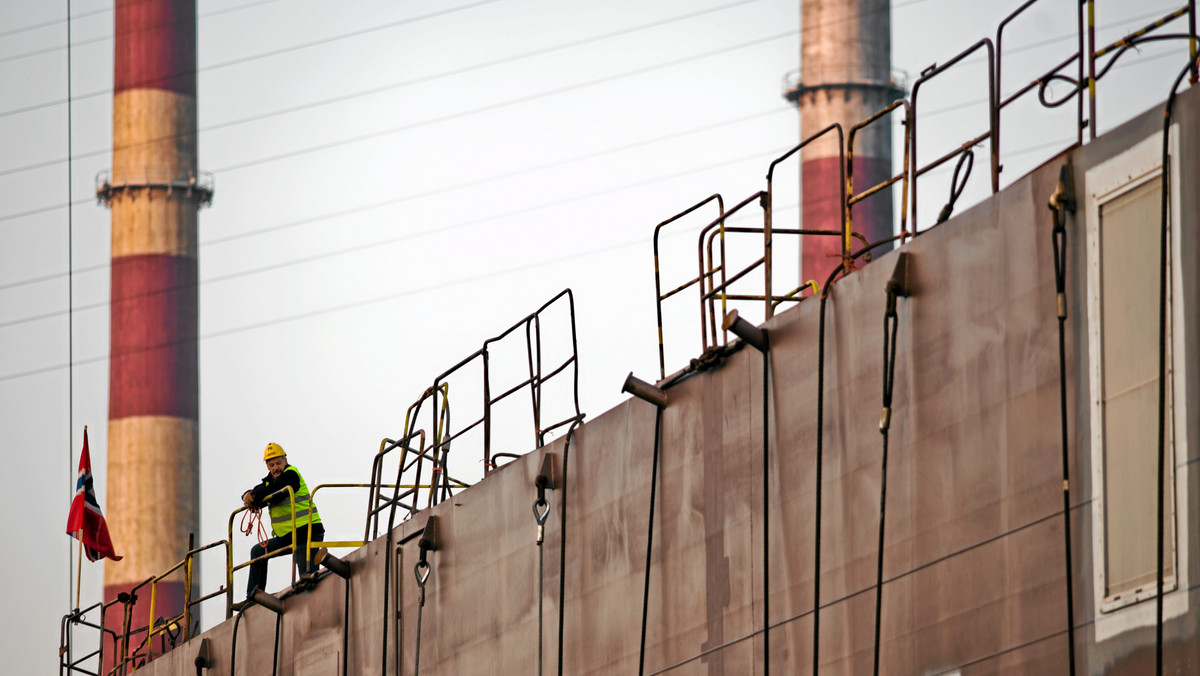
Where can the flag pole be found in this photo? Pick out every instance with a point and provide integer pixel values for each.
(78, 574)
(79, 559)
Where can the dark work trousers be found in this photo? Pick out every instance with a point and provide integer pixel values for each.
(258, 569)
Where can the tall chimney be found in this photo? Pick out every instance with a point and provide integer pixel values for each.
(154, 191)
(845, 77)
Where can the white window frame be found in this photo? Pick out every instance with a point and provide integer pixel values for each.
(1106, 181)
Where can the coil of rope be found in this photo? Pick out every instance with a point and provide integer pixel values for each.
(252, 526)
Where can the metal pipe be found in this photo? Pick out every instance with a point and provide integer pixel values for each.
(754, 336)
(644, 391)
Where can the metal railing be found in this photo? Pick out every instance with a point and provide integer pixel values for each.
(1087, 56)
(231, 568)
(537, 376)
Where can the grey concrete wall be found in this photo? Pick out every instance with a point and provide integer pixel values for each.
(974, 566)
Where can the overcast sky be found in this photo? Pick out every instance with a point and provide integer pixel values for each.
(397, 182)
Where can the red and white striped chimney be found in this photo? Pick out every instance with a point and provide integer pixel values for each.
(154, 191)
(845, 77)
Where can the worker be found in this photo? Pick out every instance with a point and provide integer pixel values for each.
(308, 522)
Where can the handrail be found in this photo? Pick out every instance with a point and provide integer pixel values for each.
(768, 206)
(991, 133)
(850, 198)
(699, 279)
(376, 503)
(531, 323)
(230, 569)
(344, 543)
(76, 617)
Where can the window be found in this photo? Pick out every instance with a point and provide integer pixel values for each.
(1123, 239)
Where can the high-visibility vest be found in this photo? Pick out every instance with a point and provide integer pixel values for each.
(281, 510)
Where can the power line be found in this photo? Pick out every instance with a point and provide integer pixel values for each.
(437, 286)
(398, 85)
(107, 10)
(460, 114)
(435, 231)
(480, 66)
(253, 57)
(511, 102)
(263, 55)
(466, 224)
(54, 22)
(104, 38)
(463, 224)
(429, 193)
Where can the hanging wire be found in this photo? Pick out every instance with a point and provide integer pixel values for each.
(1162, 353)
(1062, 201)
(658, 413)
(890, 325)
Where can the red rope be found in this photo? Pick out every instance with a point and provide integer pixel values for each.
(252, 518)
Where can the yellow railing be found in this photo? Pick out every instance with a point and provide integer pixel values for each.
(182, 621)
(345, 543)
(230, 568)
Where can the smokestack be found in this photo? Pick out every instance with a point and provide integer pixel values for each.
(154, 191)
(845, 77)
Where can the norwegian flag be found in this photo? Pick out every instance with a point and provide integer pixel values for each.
(85, 522)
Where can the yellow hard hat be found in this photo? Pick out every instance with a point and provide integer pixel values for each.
(274, 450)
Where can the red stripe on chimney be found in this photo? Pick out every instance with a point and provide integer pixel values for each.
(153, 362)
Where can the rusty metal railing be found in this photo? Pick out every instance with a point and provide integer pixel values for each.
(902, 177)
(714, 278)
(702, 276)
(68, 662)
(990, 135)
(177, 627)
(538, 375)
(230, 568)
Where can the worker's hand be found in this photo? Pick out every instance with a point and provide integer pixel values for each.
(247, 498)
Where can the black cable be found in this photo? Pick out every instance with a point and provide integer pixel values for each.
(766, 507)
(890, 321)
(346, 629)
(1162, 357)
(1061, 203)
(658, 414)
(816, 647)
(421, 580)
(562, 547)
(956, 188)
(541, 511)
(233, 644)
(275, 657)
